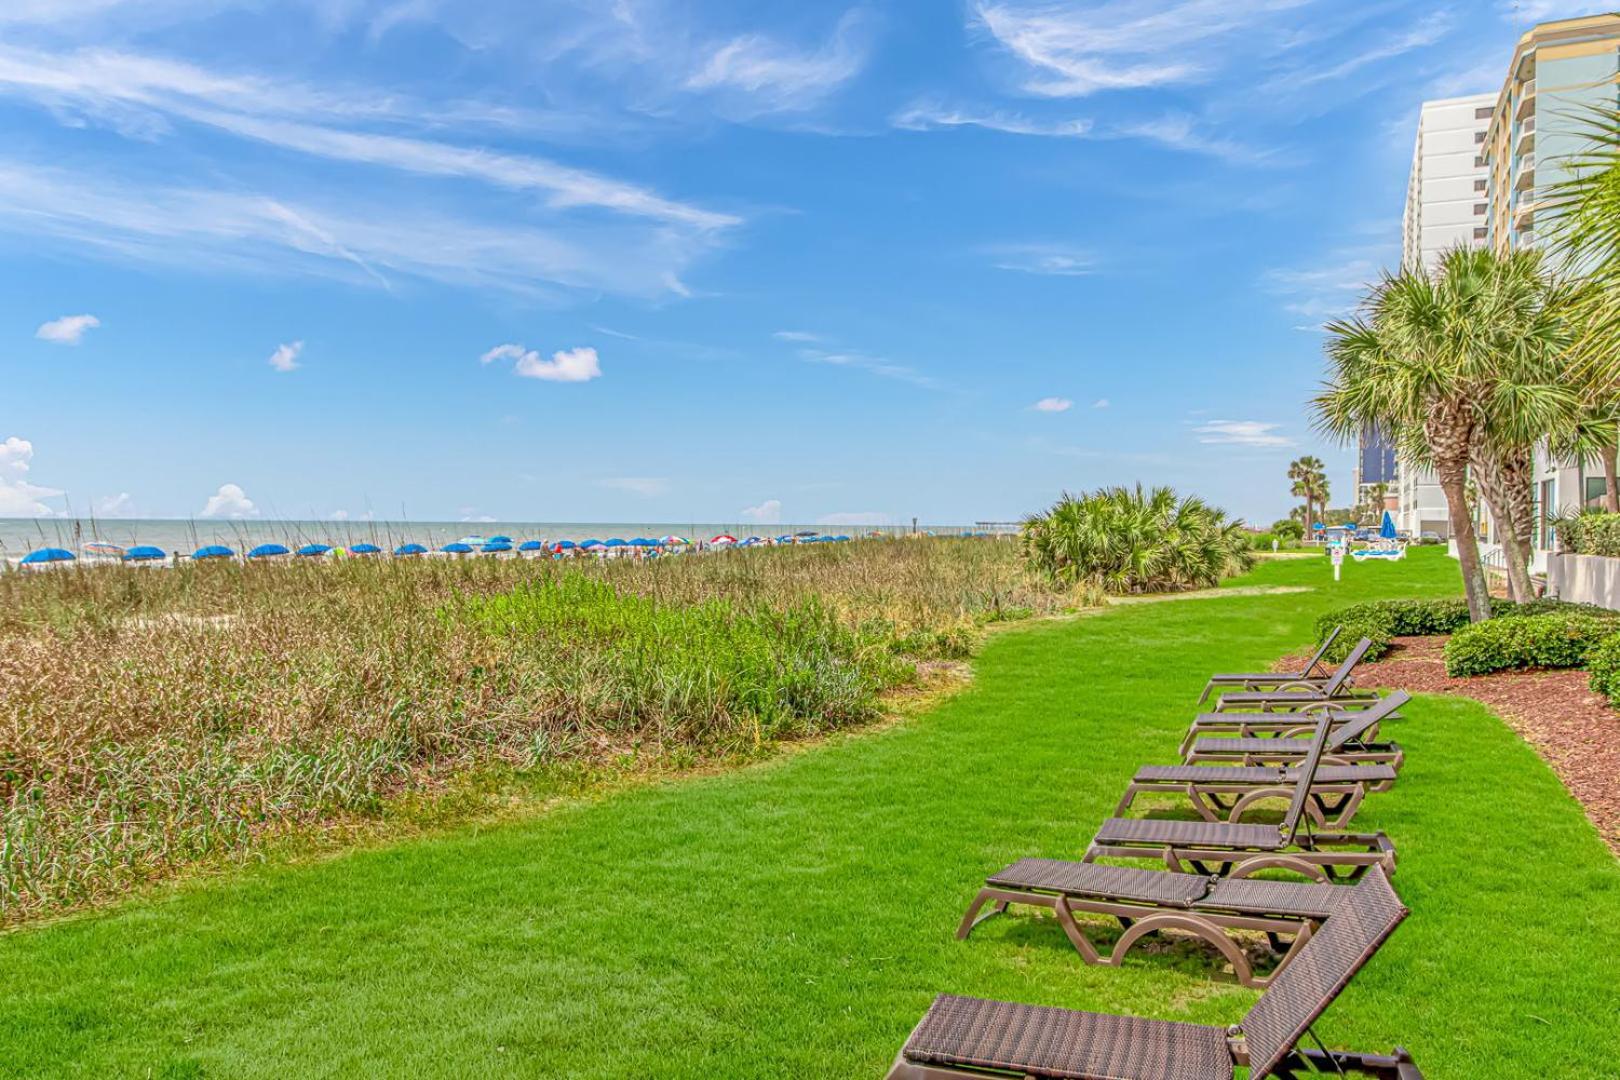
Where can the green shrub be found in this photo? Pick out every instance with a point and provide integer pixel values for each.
(1136, 540)
(1381, 620)
(1603, 663)
(1288, 530)
(1590, 532)
(1562, 640)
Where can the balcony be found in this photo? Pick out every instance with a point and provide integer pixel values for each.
(1524, 173)
(1527, 137)
(1527, 100)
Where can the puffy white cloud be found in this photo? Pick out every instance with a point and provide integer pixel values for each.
(647, 486)
(768, 512)
(1242, 433)
(566, 365)
(230, 501)
(285, 358)
(68, 330)
(1053, 404)
(18, 497)
(115, 506)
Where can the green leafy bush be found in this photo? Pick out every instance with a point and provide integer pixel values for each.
(1603, 663)
(1136, 540)
(1381, 620)
(1562, 640)
(1590, 532)
(1288, 530)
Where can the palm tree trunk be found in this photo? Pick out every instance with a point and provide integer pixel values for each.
(1611, 487)
(1499, 474)
(1454, 484)
(1518, 470)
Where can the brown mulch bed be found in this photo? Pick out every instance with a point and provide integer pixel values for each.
(1574, 730)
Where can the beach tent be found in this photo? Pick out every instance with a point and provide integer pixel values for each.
(102, 547)
(531, 545)
(1386, 528)
(144, 553)
(47, 555)
(309, 550)
(410, 549)
(213, 551)
(265, 551)
(457, 548)
(365, 549)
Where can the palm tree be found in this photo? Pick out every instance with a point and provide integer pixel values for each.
(1462, 368)
(1311, 484)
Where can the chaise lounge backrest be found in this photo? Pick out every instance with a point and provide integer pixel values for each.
(1366, 916)
(1306, 777)
(1362, 722)
(1341, 674)
(1321, 651)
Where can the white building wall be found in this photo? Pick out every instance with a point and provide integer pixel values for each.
(1446, 205)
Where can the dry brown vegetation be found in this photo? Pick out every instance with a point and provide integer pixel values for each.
(151, 719)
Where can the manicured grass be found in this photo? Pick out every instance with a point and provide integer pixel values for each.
(794, 919)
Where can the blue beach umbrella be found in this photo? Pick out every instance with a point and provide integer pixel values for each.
(457, 548)
(531, 545)
(616, 542)
(494, 547)
(410, 549)
(842, 539)
(365, 549)
(564, 545)
(265, 551)
(47, 555)
(313, 549)
(144, 553)
(500, 539)
(592, 542)
(213, 551)
(1386, 528)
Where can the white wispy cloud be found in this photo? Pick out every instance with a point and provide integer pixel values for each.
(121, 505)
(1526, 13)
(874, 365)
(1241, 433)
(1425, 32)
(247, 232)
(1053, 405)
(1075, 49)
(646, 486)
(68, 330)
(565, 365)
(1100, 403)
(774, 76)
(1329, 289)
(796, 335)
(230, 501)
(768, 512)
(925, 116)
(285, 358)
(18, 496)
(1054, 260)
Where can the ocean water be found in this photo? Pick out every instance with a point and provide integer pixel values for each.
(18, 536)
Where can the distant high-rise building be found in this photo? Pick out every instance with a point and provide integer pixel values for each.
(1480, 172)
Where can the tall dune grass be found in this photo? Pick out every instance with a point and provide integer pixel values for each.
(151, 719)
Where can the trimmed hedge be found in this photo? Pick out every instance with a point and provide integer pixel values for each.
(1562, 640)
(1381, 620)
(1590, 533)
(1603, 663)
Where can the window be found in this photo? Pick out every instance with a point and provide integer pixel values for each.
(1479, 163)
(1546, 535)
(1480, 208)
(1479, 185)
(1483, 113)
(1596, 489)
(1480, 234)
(1479, 137)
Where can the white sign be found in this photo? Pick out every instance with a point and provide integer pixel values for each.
(1337, 552)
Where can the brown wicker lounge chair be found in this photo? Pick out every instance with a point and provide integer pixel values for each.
(1225, 792)
(1339, 687)
(1222, 847)
(1149, 901)
(1347, 745)
(962, 1037)
(1298, 722)
(1312, 673)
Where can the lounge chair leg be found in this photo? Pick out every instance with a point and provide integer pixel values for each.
(1126, 800)
(1077, 937)
(1281, 862)
(971, 919)
(1194, 925)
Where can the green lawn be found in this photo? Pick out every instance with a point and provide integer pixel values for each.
(795, 918)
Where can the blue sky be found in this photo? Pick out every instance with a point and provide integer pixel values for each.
(647, 260)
